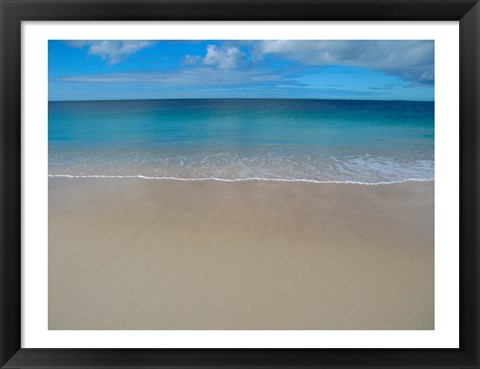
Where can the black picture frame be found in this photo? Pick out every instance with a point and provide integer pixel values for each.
(13, 12)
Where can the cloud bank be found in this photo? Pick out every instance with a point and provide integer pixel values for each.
(410, 60)
(187, 77)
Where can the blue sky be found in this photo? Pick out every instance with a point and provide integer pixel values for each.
(136, 69)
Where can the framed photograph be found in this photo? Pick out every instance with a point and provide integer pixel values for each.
(239, 184)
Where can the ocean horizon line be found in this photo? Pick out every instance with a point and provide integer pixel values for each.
(251, 179)
(248, 98)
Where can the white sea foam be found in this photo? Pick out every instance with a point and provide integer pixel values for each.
(240, 179)
(272, 166)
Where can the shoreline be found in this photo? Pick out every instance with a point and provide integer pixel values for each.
(168, 254)
(250, 179)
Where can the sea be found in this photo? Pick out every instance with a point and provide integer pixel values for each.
(324, 141)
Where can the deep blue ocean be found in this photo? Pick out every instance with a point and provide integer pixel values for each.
(232, 139)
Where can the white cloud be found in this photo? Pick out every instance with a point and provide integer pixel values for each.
(224, 57)
(114, 51)
(410, 60)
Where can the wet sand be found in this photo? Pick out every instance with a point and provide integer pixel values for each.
(161, 254)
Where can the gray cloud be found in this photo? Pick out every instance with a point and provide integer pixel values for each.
(410, 60)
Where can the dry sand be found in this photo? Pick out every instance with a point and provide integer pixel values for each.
(160, 254)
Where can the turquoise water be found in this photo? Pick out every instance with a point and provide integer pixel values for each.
(235, 139)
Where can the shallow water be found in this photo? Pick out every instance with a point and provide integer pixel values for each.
(239, 139)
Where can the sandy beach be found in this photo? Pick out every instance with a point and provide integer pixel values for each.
(165, 254)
